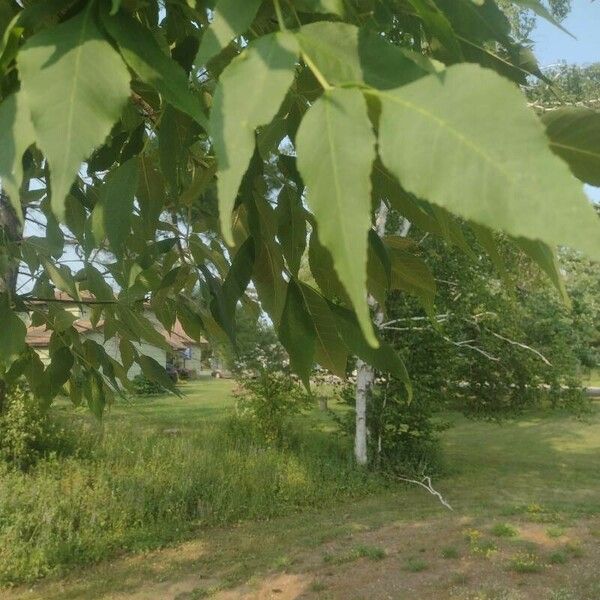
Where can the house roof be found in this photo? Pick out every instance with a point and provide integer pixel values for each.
(39, 337)
(177, 338)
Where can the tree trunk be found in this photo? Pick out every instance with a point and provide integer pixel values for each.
(10, 231)
(365, 374)
(365, 377)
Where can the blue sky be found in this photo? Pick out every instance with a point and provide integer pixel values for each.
(553, 45)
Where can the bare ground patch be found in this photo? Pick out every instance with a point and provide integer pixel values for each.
(449, 557)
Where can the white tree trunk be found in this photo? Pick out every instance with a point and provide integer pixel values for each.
(365, 375)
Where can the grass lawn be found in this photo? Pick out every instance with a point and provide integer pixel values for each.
(526, 519)
(594, 378)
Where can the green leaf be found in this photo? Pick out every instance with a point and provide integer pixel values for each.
(173, 141)
(517, 67)
(291, 227)
(383, 358)
(150, 193)
(155, 372)
(127, 353)
(438, 25)
(145, 57)
(111, 217)
(190, 320)
(268, 279)
(336, 148)
(62, 278)
(16, 135)
(57, 373)
(545, 258)
(321, 267)
(231, 18)
(61, 319)
(13, 334)
(345, 54)
(297, 333)
(487, 240)
(411, 274)
(219, 306)
(482, 22)
(96, 283)
(490, 164)
(574, 134)
(330, 351)
(94, 392)
(539, 9)
(248, 95)
(239, 274)
(387, 188)
(378, 268)
(76, 86)
(326, 7)
(141, 327)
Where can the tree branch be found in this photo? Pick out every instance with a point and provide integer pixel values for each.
(426, 484)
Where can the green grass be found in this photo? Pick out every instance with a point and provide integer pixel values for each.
(415, 564)
(503, 530)
(558, 557)
(555, 531)
(594, 378)
(535, 465)
(159, 469)
(139, 487)
(450, 552)
(526, 563)
(370, 552)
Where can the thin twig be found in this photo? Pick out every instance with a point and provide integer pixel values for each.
(426, 484)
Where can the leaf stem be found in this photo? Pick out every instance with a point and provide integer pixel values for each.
(279, 15)
(315, 71)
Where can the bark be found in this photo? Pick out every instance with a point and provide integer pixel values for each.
(10, 231)
(365, 376)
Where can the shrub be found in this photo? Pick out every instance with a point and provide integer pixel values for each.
(142, 386)
(27, 432)
(403, 436)
(270, 398)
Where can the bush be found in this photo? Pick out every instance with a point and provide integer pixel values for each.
(270, 398)
(142, 386)
(402, 434)
(186, 374)
(27, 433)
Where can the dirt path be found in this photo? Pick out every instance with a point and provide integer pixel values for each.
(451, 557)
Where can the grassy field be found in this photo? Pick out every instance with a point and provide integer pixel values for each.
(236, 522)
(594, 378)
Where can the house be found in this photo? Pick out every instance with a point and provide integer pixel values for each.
(184, 352)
